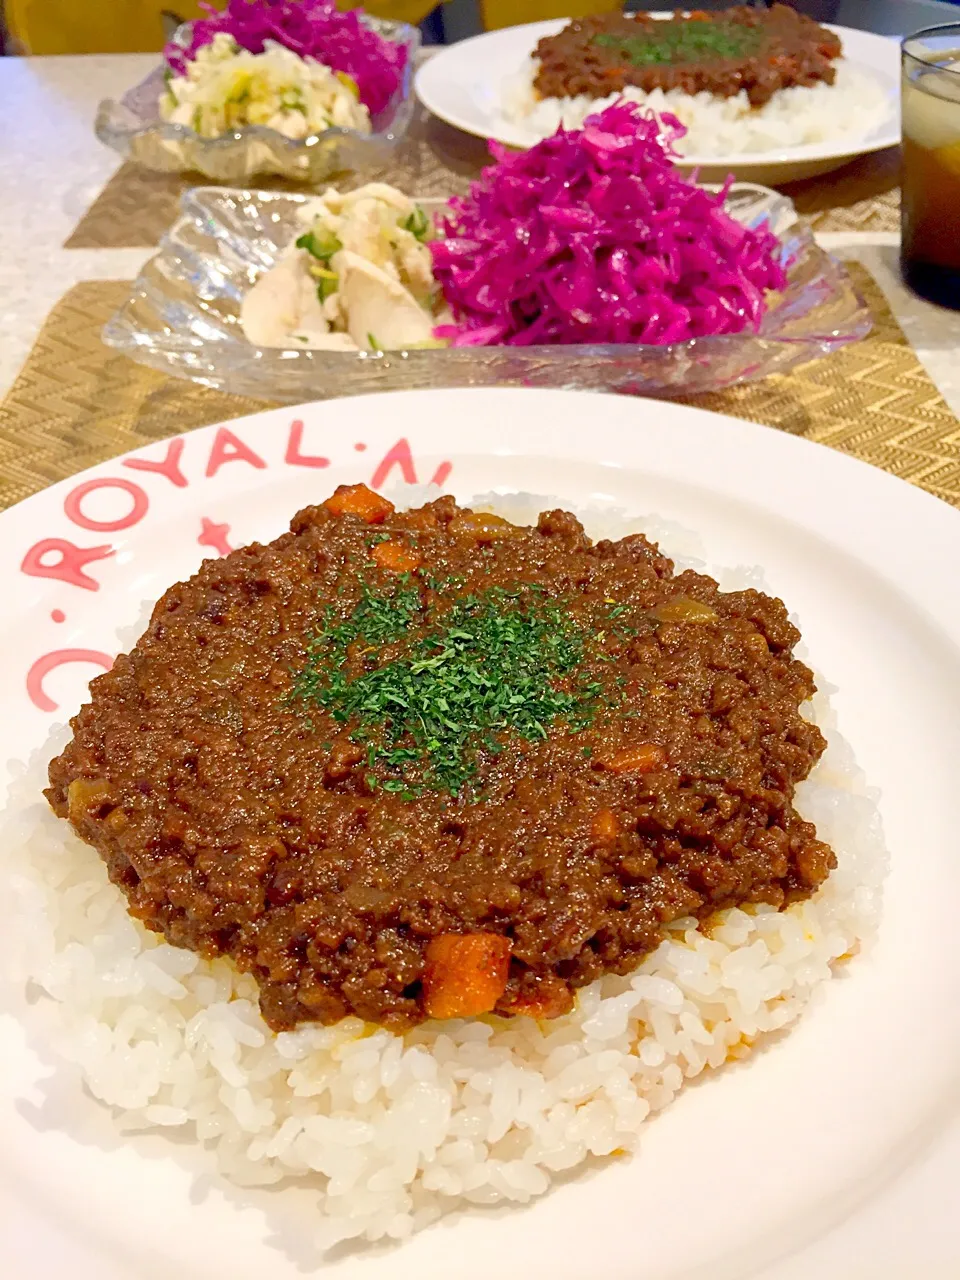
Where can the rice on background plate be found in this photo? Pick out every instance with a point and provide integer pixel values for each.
(391, 1132)
(854, 104)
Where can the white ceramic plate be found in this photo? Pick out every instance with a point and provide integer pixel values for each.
(464, 84)
(761, 1161)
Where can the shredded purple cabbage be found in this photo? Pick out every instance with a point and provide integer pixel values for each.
(593, 236)
(313, 29)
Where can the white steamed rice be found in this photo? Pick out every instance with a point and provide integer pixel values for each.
(392, 1132)
(854, 104)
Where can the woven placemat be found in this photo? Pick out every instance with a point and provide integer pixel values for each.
(862, 196)
(75, 402)
(137, 206)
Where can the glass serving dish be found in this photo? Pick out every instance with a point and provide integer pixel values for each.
(183, 318)
(133, 127)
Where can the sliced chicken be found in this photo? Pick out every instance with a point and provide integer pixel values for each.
(283, 310)
(339, 202)
(379, 311)
(377, 268)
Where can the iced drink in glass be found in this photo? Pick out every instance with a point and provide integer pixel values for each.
(930, 209)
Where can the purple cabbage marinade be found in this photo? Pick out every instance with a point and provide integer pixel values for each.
(593, 236)
(313, 29)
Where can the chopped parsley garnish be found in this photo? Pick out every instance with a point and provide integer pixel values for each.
(373, 343)
(457, 679)
(683, 42)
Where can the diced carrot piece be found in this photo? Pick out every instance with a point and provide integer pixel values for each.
(482, 526)
(358, 500)
(396, 557)
(465, 974)
(643, 758)
(550, 998)
(605, 826)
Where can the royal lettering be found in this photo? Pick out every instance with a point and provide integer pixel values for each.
(230, 448)
(294, 457)
(169, 467)
(69, 565)
(141, 504)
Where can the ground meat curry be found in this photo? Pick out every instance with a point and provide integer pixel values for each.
(756, 50)
(433, 764)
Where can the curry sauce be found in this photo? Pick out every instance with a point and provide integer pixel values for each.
(434, 764)
(758, 51)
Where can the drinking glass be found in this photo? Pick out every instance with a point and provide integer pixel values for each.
(930, 207)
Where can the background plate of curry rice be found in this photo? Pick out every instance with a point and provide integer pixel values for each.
(484, 87)
(773, 1095)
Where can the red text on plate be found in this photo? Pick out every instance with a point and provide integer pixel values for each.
(294, 457)
(400, 456)
(141, 505)
(228, 447)
(215, 536)
(169, 467)
(69, 565)
(59, 658)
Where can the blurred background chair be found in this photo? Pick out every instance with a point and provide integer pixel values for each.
(92, 26)
(135, 26)
(132, 26)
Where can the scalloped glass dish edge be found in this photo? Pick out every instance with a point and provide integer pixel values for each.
(132, 127)
(182, 318)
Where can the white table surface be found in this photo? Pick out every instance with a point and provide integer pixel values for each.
(51, 169)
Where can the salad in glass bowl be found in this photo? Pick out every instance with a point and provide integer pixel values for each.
(588, 261)
(290, 87)
(591, 237)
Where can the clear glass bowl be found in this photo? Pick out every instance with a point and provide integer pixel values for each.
(133, 127)
(183, 318)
